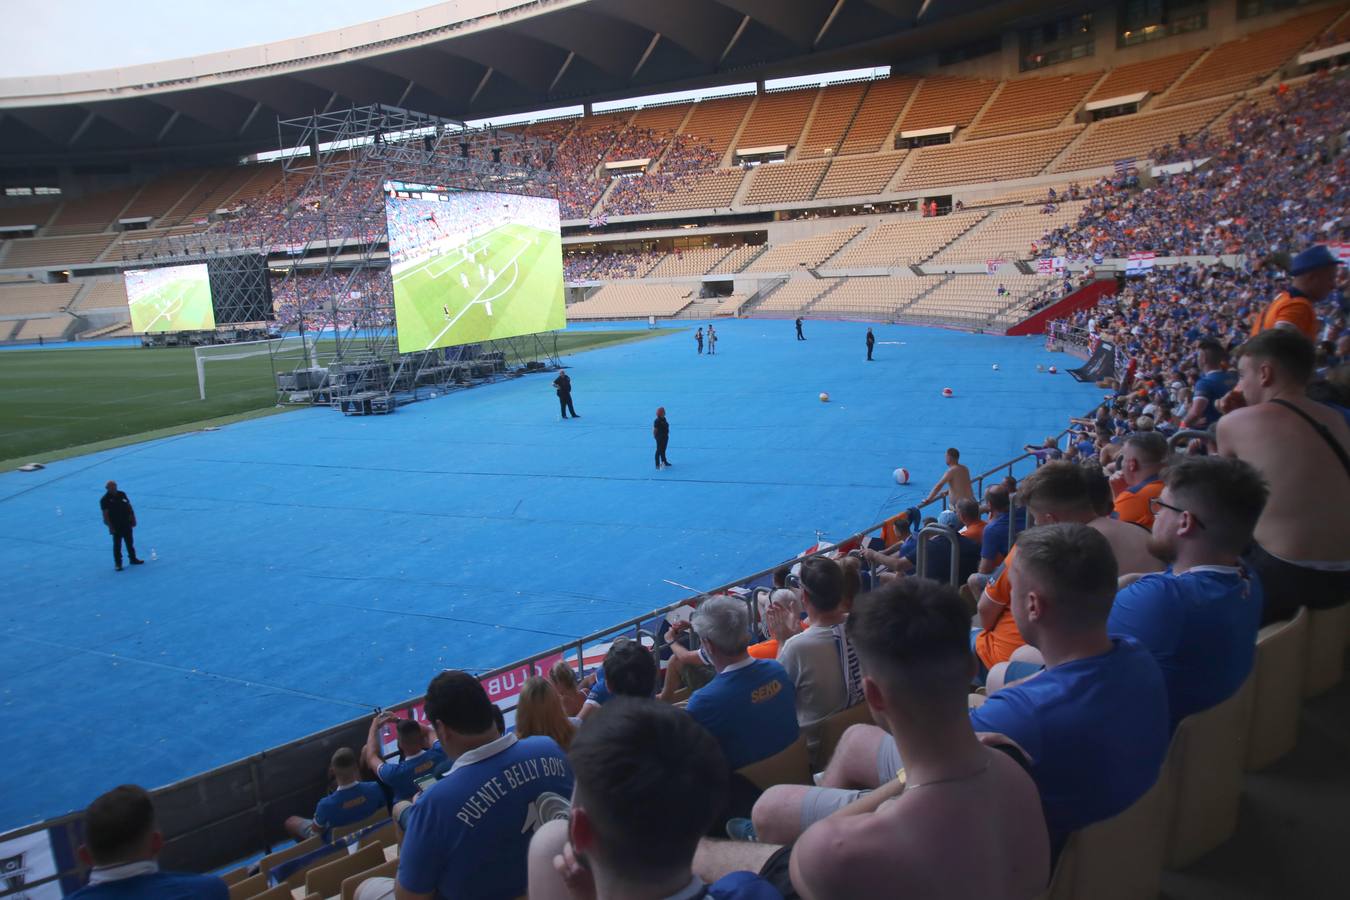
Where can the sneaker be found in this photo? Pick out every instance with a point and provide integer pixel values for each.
(742, 830)
(119, 567)
(669, 464)
(138, 562)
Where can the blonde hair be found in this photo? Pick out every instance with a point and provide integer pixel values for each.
(563, 675)
(539, 711)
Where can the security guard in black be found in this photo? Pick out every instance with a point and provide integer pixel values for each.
(120, 519)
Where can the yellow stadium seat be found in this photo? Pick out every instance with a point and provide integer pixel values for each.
(249, 887)
(788, 766)
(832, 729)
(352, 882)
(1277, 690)
(326, 880)
(1326, 648)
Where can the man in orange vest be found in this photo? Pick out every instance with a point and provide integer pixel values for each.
(1314, 275)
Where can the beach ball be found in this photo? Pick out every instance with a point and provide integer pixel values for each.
(948, 392)
(901, 476)
(995, 367)
(1054, 371)
(824, 397)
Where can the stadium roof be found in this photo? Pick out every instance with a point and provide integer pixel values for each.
(472, 59)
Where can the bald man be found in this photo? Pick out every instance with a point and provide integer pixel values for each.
(120, 519)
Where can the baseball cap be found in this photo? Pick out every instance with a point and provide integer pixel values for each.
(949, 518)
(1315, 257)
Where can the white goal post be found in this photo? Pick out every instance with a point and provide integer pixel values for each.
(302, 349)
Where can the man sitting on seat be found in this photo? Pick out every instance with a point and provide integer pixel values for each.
(750, 706)
(1094, 723)
(351, 801)
(122, 844)
(819, 659)
(628, 670)
(649, 782)
(468, 835)
(1302, 449)
(1140, 477)
(1199, 618)
(903, 839)
(417, 745)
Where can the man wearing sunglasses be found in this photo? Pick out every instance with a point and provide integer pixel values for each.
(1199, 618)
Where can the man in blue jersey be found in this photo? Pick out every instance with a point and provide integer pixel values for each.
(750, 706)
(1094, 723)
(467, 837)
(649, 782)
(417, 746)
(351, 801)
(121, 844)
(1200, 617)
(629, 670)
(1214, 384)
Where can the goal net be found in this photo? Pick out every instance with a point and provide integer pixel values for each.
(291, 351)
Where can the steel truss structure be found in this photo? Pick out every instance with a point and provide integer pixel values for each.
(327, 252)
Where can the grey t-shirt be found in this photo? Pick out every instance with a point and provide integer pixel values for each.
(824, 667)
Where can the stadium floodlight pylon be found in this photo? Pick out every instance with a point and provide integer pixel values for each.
(327, 251)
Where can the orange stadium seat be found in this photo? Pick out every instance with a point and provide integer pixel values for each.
(875, 119)
(777, 118)
(785, 182)
(90, 213)
(944, 100)
(836, 109)
(716, 121)
(994, 159)
(1151, 75)
(1136, 136)
(903, 243)
(805, 253)
(860, 176)
(162, 195)
(795, 294)
(1241, 64)
(1030, 104)
(736, 260)
(57, 251)
(630, 300)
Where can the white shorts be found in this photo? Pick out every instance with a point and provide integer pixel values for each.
(375, 889)
(821, 802)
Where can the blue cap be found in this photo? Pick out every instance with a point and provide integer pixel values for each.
(1315, 257)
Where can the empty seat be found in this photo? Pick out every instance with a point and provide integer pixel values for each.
(795, 294)
(943, 100)
(1029, 104)
(1277, 691)
(859, 176)
(831, 730)
(784, 182)
(1151, 75)
(995, 159)
(804, 253)
(788, 766)
(778, 118)
(836, 109)
(881, 106)
(1135, 137)
(352, 882)
(632, 300)
(1326, 649)
(326, 880)
(1204, 771)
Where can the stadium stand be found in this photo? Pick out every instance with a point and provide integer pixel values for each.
(944, 100)
(626, 300)
(1151, 75)
(1010, 234)
(214, 191)
(158, 199)
(859, 176)
(27, 299)
(48, 328)
(103, 294)
(805, 253)
(715, 122)
(777, 118)
(92, 212)
(648, 133)
(795, 294)
(1243, 63)
(784, 182)
(903, 243)
(837, 107)
(877, 297)
(73, 250)
(1032, 104)
(667, 193)
(29, 215)
(995, 159)
(875, 119)
(689, 261)
(972, 299)
(737, 259)
(1132, 137)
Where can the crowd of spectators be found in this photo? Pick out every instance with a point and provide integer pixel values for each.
(584, 266)
(685, 159)
(369, 295)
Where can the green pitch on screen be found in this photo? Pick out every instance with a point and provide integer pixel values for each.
(177, 298)
(448, 300)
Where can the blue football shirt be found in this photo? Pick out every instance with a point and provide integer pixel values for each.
(994, 542)
(157, 886)
(1212, 386)
(349, 805)
(1096, 730)
(469, 835)
(1201, 628)
(751, 708)
(402, 776)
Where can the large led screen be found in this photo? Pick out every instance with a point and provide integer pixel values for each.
(471, 266)
(173, 298)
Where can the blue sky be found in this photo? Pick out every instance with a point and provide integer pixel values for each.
(50, 37)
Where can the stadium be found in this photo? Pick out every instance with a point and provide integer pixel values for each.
(999, 350)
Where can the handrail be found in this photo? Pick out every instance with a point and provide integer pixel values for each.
(206, 851)
(921, 551)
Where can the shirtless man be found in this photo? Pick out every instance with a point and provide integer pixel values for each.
(956, 480)
(911, 638)
(1301, 550)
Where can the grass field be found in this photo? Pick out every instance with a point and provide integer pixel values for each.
(173, 302)
(504, 283)
(56, 400)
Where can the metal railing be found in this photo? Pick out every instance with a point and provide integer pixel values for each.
(236, 810)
